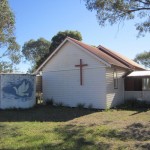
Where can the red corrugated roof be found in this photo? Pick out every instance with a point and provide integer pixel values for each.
(126, 61)
(109, 56)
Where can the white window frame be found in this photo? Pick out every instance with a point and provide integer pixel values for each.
(146, 84)
(115, 78)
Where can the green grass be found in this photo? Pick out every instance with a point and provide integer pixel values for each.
(58, 128)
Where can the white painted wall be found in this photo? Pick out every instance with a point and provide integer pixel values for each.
(61, 79)
(137, 95)
(23, 96)
(114, 96)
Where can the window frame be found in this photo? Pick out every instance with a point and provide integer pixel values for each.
(115, 79)
(146, 86)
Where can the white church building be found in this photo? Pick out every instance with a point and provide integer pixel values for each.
(76, 73)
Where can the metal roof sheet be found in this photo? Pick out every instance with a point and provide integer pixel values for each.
(139, 73)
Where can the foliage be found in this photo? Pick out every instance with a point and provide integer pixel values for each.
(7, 22)
(7, 38)
(35, 50)
(80, 105)
(143, 58)
(59, 104)
(90, 106)
(57, 40)
(50, 102)
(134, 104)
(60, 36)
(6, 67)
(115, 11)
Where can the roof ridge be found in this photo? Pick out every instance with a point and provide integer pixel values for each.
(123, 59)
(100, 47)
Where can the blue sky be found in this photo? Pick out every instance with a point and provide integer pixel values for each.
(44, 18)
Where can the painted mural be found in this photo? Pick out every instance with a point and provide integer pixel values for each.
(21, 89)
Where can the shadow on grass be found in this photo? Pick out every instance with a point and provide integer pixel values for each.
(6, 130)
(145, 146)
(72, 138)
(134, 105)
(140, 111)
(43, 114)
(78, 138)
(135, 131)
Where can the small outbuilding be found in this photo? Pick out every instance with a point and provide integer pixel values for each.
(17, 91)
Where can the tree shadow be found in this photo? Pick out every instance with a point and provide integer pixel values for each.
(145, 146)
(135, 110)
(135, 131)
(6, 130)
(73, 138)
(138, 111)
(134, 105)
(43, 114)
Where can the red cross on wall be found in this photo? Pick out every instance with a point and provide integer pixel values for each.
(81, 65)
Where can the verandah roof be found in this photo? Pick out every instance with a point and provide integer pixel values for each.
(139, 74)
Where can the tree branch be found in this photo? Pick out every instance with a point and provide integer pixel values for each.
(4, 54)
(143, 2)
(134, 10)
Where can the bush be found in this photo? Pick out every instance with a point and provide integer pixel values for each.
(50, 102)
(129, 104)
(80, 105)
(90, 106)
(59, 104)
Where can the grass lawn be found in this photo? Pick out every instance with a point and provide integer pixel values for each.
(58, 128)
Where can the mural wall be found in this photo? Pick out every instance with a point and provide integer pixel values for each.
(17, 91)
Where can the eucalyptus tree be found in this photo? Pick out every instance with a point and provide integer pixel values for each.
(116, 11)
(8, 45)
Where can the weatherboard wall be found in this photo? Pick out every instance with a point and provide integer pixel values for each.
(137, 95)
(17, 91)
(114, 96)
(61, 79)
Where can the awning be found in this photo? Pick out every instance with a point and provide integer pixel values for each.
(139, 74)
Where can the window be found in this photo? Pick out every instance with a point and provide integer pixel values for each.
(133, 84)
(115, 80)
(137, 84)
(146, 84)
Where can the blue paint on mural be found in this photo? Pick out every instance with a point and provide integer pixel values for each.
(20, 90)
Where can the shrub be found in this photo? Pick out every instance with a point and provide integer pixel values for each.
(50, 102)
(80, 105)
(90, 106)
(59, 104)
(129, 104)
